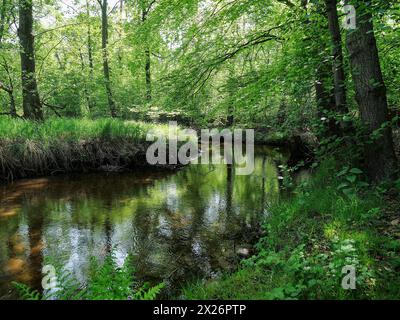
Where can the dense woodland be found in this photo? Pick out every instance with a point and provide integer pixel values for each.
(264, 64)
(288, 68)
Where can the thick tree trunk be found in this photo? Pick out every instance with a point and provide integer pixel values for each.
(371, 93)
(106, 67)
(337, 53)
(31, 102)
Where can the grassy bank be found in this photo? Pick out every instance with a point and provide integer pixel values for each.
(29, 149)
(311, 236)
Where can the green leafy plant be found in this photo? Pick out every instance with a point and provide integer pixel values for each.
(106, 281)
(351, 181)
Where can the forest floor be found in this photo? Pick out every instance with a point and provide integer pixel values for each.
(308, 239)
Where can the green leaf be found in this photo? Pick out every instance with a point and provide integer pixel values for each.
(343, 185)
(351, 179)
(343, 171)
(348, 192)
(356, 171)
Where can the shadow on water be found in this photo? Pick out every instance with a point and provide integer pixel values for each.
(181, 226)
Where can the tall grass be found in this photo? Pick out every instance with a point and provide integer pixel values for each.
(29, 149)
(72, 129)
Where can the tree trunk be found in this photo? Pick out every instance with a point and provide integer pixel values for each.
(89, 42)
(371, 94)
(106, 68)
(148, 75)
(85, 87)
(337, 53)
(3, 20)
(90, 57)
(324, 97)
(30, 95)
(147, 63)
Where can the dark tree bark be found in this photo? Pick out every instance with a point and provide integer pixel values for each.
(106, 67)
(90, 58)
(89, 42)
(148, 75)
(371, 93)
(148, 60)
(337, 53)
(30, 95)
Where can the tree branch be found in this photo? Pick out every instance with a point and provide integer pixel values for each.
(287, 2)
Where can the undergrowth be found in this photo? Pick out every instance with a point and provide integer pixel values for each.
(310, 238)
(106, 281)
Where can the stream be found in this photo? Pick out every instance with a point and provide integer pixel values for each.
(179, 226)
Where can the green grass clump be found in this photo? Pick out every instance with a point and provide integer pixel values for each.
(29, 149)
(309, 238)
(72, 129)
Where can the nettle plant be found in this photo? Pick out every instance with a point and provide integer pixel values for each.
(351, 181)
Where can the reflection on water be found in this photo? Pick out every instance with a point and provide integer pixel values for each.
(178, 226)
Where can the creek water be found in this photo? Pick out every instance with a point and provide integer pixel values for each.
(180, 226)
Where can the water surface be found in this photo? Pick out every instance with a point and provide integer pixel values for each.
(178, 226)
